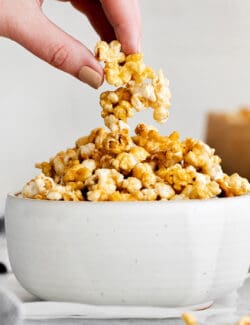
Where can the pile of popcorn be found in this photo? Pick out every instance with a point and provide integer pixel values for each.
(111, 165)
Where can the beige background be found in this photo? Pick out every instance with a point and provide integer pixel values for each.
(202, 46)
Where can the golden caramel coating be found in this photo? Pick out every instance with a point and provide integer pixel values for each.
(132, 184)
(109, 164)
(109, 52)
(116, 143)
(44, 188)
(189, 319)
(121, 196)
(141, 87)
(234, 185)
(189, 183)
(120, 69)
(155, 95)
(124, 162)
(144, 172)
(164, 191)
(102, 183)
(97, 137)
(150, 139)
(201, 156)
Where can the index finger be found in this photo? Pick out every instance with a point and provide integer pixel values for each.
(124, 16)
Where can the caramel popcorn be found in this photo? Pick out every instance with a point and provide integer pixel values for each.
(234, 185)
(110, 164)
(189, 319)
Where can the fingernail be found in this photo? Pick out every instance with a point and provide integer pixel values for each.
(90, 77)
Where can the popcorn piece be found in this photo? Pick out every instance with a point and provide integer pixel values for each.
(177, 176)
(163, 96)
(139, 153)
(116, 143)
(164, 191)
(97, 137)
(106, 161)
(202, 188)
(114, 124)
(80, 172)
(59, 163)
(234, 185)
(102, 183)
(156, 95)
(120, 69)
(121, 196)
(116, 108)
(165, 151)
(145, 174)
(109, 52)
(147, 194)
(87, 150)
(43, 187)
(142, 95)
(189, 183)
(201, 156)
(189, 319)
(124, 162)
(132, 184)
(82, 141)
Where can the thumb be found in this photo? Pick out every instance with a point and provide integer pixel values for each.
(47, 41)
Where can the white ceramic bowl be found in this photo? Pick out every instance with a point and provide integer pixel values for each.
(161, 253)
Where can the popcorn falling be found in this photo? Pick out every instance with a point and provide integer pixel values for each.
(111, 165)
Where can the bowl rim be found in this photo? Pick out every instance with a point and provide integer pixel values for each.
(13, 196)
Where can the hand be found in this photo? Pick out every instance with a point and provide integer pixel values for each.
(24, 22)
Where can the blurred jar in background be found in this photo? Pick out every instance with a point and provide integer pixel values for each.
(229, 134)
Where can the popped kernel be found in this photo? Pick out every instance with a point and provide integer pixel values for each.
(147, 194)
(164, 191)
(233, 185)
(109, 164)
(102, 183)
(189, 319)
(109, 52)
(117, 142)
(201, 156)
(120, 69)
(121, 196)
(77, 173)
(44, 188)
(124, 162)
(97, 137)
(132, 184)
(145, 174)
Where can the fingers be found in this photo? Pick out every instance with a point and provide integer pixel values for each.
(94, 12)
(124, 16)
(47, 41)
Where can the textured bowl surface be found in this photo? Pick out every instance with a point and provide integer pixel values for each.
(161, 253)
